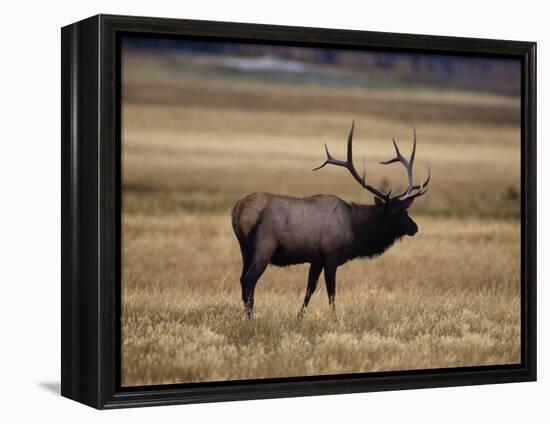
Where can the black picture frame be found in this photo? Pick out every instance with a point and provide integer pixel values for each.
(90, 221)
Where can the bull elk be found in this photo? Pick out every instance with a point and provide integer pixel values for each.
(322, 230)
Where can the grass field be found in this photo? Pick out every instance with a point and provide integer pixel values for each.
(195, 140)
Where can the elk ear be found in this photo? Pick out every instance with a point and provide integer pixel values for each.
(378, 201)
(408, 202)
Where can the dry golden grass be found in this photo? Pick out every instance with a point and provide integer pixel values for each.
(193, 144)
(447, 297)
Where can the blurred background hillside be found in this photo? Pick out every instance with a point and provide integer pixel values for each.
(194, 108)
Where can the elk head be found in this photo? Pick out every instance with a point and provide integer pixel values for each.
(393, 208)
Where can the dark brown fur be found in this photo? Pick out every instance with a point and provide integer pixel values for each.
(322, 230)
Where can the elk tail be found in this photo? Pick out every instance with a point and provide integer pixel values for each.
(246, 214)
(235, 215)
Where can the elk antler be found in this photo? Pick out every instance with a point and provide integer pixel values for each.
(421, 188)
(348, 164)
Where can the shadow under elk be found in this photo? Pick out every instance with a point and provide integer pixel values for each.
(322, 230)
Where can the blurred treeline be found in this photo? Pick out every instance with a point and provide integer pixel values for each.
(497, 75)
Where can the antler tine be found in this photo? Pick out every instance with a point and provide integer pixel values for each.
(422, 188)
(413, 153)
(408, 164)
(398, 156)
(330, 160)
(348, 164)
(423, 184)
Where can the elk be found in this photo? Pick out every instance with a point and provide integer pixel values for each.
(322, 230)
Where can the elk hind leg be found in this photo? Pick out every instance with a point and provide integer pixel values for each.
(260, 260)
(247, 259)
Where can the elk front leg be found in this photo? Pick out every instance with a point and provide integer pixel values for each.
(330, 281)
(313, 277)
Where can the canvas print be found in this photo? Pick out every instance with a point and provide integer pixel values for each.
(293, 211)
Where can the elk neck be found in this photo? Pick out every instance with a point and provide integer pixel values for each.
(373, 232)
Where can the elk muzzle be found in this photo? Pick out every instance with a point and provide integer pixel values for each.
(412, 228)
